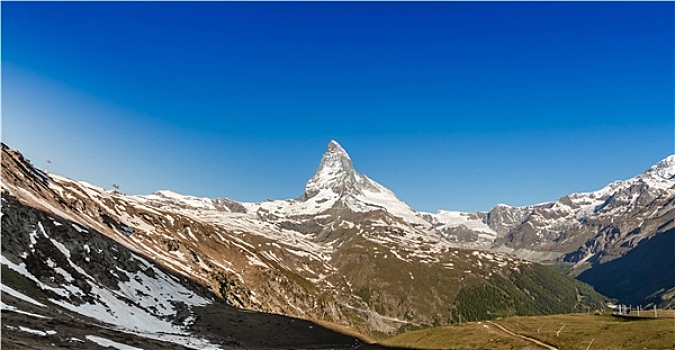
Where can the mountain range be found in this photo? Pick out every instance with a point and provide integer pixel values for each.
(347, 252)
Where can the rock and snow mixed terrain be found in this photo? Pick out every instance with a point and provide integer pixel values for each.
(337, 195)
(73, 269)
(594, 231)
(581, 225)
(348, 250)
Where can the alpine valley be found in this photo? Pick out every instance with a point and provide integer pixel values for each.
(99, 268)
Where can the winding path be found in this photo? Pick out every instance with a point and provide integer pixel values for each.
(524, 337)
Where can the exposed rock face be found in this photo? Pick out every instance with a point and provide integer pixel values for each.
(503, 218)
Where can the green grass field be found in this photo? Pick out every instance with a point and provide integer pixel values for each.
(570, 331)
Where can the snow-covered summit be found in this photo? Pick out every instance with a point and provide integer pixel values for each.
(664, 169)
(336, 172)
(659, 177)
(336, 184)
(334, 146)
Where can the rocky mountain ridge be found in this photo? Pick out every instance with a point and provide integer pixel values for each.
(618, 208)
(592, 232)
(73, 287)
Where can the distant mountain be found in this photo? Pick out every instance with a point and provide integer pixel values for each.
(589, 230)
(346, 251)
(617, 209)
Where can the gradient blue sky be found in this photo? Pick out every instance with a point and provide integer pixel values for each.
(451, 105)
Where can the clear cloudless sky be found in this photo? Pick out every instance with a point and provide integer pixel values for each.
(451, 105)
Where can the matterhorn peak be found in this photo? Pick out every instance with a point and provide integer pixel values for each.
(335, 160)
(334, 147)
(337, 183)
(335, 172)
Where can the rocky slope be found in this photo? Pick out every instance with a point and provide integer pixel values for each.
(67, 286)
(346, 251)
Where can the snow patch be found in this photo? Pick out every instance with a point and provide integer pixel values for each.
(107, 343)
(79, 229)
(5, 307)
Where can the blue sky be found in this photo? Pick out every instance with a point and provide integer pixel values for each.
(451, 105)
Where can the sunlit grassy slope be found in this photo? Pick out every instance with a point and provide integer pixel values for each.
(570, 331)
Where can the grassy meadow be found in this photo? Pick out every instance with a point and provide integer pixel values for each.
(569, 331)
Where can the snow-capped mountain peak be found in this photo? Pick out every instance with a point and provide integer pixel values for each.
(337, 183)
(336, 172)
(664, 169)
(334, 146)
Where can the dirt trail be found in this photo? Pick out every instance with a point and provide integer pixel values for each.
(524, 337)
